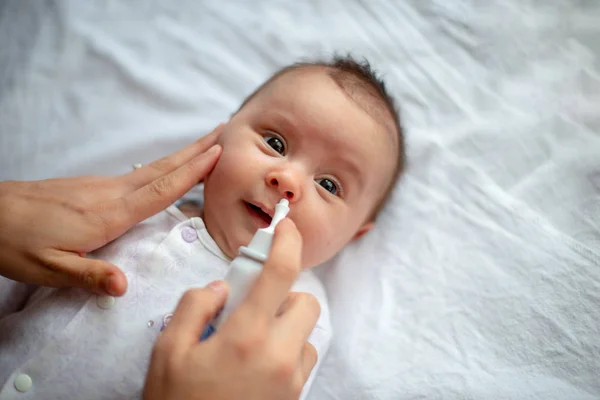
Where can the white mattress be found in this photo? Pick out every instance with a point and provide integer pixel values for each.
(483, 278)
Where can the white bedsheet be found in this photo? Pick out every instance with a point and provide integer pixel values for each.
(482, 280)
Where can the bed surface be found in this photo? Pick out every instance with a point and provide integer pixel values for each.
(482, 280)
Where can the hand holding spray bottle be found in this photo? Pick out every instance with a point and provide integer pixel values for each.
(246, 267)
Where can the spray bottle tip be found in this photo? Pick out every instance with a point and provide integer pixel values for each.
(260, 245)
(281, 210)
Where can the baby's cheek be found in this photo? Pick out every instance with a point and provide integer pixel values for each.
(243, 162)
(230, 167)
(319, 245)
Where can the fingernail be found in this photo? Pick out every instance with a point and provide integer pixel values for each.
(217, 286)
(109, 286)
(213, 149)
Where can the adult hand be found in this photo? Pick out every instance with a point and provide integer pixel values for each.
(47, 227)
(260, 352)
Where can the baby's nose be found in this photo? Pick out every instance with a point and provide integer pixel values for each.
(287, 193)
(286, 183)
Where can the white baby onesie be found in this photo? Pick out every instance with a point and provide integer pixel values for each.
(70, 344)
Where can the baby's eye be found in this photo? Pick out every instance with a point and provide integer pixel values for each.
(276, 144)
(329, 185)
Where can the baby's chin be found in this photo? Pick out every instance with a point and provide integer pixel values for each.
(232, 243)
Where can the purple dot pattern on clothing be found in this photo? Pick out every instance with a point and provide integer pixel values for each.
(189, 234)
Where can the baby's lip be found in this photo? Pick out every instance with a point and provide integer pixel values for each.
(267, 210)
(261, 217)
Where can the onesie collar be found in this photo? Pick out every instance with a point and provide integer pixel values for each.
(207, 240)
(198, 223)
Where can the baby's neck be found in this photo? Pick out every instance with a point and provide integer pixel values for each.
(191, 209)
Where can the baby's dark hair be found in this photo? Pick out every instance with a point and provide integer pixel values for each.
(363, 86)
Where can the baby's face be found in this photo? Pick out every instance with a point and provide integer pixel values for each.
(303, 139)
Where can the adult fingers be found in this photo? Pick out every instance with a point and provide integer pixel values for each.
(98, 276)
(278, 274)
(150, 172)
(296, 323)
(195, 309)
(120, 214)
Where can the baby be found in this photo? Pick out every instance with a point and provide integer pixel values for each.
(325, 136)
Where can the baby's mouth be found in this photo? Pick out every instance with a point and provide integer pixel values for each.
(258, 212)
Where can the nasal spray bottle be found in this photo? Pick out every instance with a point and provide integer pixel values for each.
(246, 267)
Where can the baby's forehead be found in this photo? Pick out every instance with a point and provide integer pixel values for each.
(358, 92)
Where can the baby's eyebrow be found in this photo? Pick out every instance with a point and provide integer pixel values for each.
(354, 171)
(284, 121)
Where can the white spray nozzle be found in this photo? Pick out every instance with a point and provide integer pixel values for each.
(281, 210)
(260, 245)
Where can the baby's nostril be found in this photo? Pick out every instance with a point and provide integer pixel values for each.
(289, 195)
(274, 182)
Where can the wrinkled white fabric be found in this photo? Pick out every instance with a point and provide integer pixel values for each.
(480, 280)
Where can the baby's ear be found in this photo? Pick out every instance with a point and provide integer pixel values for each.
(364, 229)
